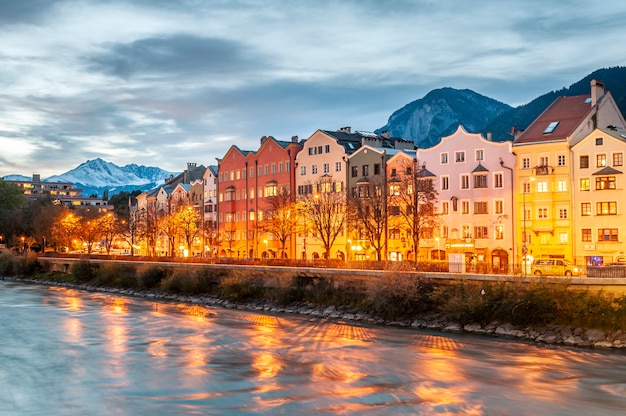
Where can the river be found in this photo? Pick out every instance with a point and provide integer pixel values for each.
(70, 352)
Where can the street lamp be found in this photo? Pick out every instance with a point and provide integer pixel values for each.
(524, 247)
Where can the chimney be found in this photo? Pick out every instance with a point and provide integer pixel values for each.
(347, 129)
(386, 134)
(36, 177)
(191, 166)
(488, 136)
(263, 139)
(597, 91)
(294, 139)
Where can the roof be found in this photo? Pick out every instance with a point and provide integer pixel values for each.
(608, 171)
(558, 121)
(480, 168)
(353, 141)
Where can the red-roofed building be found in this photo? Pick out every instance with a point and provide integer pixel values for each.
(545, 171)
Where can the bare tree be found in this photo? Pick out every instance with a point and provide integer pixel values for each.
(133, 229)
(281, 219)
(212, 237)
(326, 211)
(109, 230)
(413, 197)
(367, 213)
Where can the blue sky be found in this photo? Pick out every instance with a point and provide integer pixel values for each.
(162, 83)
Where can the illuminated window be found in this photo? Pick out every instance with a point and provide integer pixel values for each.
(561, 186)
(481, 232)
(563, 238)
(584, 184)
(606, 208)
(542, 186)
(605, 182)
(466, 231)
(601, 160)
(585, 208)
(499, 232)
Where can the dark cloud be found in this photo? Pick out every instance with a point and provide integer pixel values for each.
(182, 55)
(24, 11)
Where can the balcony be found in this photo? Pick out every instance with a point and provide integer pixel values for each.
(543, 170)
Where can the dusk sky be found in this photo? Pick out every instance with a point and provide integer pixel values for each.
(162, 83)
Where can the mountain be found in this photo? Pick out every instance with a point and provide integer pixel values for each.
(96, 176)
(438, 114)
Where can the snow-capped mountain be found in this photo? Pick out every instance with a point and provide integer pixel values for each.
(96, 176)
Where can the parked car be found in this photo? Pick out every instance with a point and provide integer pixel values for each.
(554, 267)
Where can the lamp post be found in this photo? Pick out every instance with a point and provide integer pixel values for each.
(524, 246)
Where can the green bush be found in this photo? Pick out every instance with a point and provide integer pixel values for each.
(7, 264)
(151, 277)
(82, 271)
(116, 275)
(27, 265)
(240, 288)
(397, 297)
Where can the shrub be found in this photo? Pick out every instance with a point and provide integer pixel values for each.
(26, 265)
(151, 277)
(116, 275)
(240, 288)
(7, 264)
(82, 271)
(400, 297)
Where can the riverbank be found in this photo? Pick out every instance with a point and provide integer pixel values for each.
(550, 335)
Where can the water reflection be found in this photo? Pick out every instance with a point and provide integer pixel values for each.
(100, 354)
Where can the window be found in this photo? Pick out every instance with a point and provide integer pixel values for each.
(584, 184)
(544, 161)
(599, 141)
(271, 190)
(337, 166)
(585, 208)
(606, 208)
(302, 170)
(525, 163)
(560, 160)
(618, 159)
(313, 169)
(563, 238)
(445, 208)
(498, 180)
(445, 183)
(542, 213)
(287, 166)
(376, 168)
(444, 158)
(252, 172)
(480, 181)
(354, 171)
(366, 170)
(394, 190)
(319, 150)
(550, 128)
(273, 168)
(607, 234)
(605, 182)
(499, 231)
(327, 148)
(601, 160)
(394, 210)
(326, 167)
(311, 150)
(280, 167)
(480, 155)
(584, 162)
(562, 213)
(464, 181)
(465, 231)
(481, 232)
(585, 235)
(542, 186)
(459, 157)
(561, 186)
(266, 169)
(364, 191)
(465, 207)
(498, 206)
(480, 207)
(527, 188)
(338, 186)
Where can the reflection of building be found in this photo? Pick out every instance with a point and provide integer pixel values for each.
(62, 193)
(474, 185)
(545, 173)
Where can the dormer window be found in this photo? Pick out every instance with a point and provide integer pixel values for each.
(551, 127)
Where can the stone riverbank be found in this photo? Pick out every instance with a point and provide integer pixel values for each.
(552, 335)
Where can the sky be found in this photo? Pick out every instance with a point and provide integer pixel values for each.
(163, 82)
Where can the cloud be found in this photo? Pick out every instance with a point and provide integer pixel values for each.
(174, 56)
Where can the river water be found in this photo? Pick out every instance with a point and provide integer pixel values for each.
(71, 352)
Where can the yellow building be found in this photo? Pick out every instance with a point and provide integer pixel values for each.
(545, 172)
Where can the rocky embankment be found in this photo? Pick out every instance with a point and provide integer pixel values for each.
(553, 335)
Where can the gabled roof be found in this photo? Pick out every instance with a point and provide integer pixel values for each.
(558, 121)
(425, 173)
(480, 168)
(353, 141)
(608, 171)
